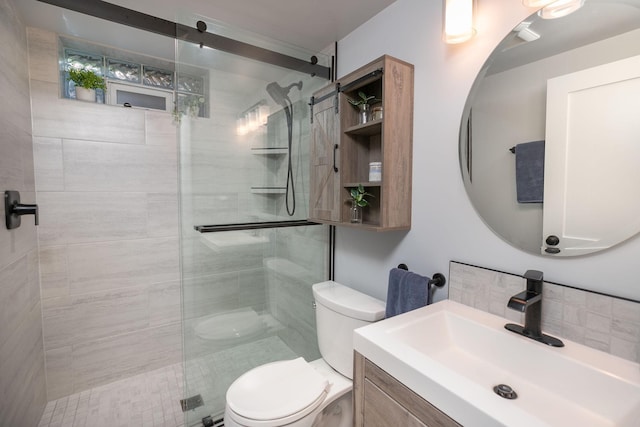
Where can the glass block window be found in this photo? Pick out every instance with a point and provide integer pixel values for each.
(153, 87)
(190, 84)
(123, 70)
(158, 78)
(82, 61)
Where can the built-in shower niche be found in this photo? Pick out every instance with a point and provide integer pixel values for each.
(271, 159)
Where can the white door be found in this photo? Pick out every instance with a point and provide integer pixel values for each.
(592, 158)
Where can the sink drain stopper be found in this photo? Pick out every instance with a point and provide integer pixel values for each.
(505, 391)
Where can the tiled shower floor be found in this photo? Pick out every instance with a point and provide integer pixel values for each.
(152, 399)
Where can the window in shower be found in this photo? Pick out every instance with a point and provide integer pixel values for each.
(134, 82)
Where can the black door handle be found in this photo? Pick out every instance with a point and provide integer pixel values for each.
(13, 209)
(335, 148)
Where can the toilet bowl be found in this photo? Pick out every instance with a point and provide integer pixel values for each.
(295, 393)
(298, 393)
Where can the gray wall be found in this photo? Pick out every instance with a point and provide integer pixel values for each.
(22, 374)
(445, 224)
(106, 181)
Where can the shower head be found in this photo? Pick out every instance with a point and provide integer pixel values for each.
(281, 94)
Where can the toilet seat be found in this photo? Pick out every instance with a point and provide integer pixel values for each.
(277, 393)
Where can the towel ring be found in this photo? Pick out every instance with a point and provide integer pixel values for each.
(437, 280)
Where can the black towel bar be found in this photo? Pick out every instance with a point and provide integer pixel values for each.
(438, 279)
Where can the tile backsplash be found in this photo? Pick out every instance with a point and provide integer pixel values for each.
(599, 321)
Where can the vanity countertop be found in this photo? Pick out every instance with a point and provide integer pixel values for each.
(453, 356)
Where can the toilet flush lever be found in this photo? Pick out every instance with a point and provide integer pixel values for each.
(13, 209)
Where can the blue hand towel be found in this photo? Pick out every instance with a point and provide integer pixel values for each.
(530, 172)
(407, 291)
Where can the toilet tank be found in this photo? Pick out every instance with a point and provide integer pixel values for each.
(340, 310)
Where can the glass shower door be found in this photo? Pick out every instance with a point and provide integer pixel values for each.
(248, 255)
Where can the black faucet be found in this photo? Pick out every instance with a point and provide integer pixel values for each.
(529, 302)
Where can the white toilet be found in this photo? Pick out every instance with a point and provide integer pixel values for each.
(297, 393)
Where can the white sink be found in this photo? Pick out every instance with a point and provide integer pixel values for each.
(453, 355)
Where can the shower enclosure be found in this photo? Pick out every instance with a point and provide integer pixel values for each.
(248, 255)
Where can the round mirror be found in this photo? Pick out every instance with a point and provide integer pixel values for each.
(550, 134)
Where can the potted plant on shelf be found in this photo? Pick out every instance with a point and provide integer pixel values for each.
(363, 104)
(86, 82)
(358, 202)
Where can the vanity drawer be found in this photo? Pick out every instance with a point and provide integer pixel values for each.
(381, 401)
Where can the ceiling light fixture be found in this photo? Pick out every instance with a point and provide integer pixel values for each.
(458, 21)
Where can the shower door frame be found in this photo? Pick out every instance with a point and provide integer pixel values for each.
(198, 35)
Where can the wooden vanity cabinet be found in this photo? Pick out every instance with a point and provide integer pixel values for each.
(342, 148)
(381, 401)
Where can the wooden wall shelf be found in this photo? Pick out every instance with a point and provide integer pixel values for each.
(342, 148)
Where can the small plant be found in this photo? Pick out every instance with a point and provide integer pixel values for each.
(189, 106)
(358, 196)
(86, 79)
(363, 100)
(192, 105)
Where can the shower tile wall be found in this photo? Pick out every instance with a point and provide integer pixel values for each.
(217, 171)
(302, 261)
(22, 375)
(602, 322)
(301, 251)
(267, 271)
(106, 182)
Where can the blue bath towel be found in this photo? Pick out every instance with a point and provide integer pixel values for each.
(530, 172)
(407, 291)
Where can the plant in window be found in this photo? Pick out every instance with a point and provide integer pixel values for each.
(86, 79)
(192, 105)
(189, 106)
